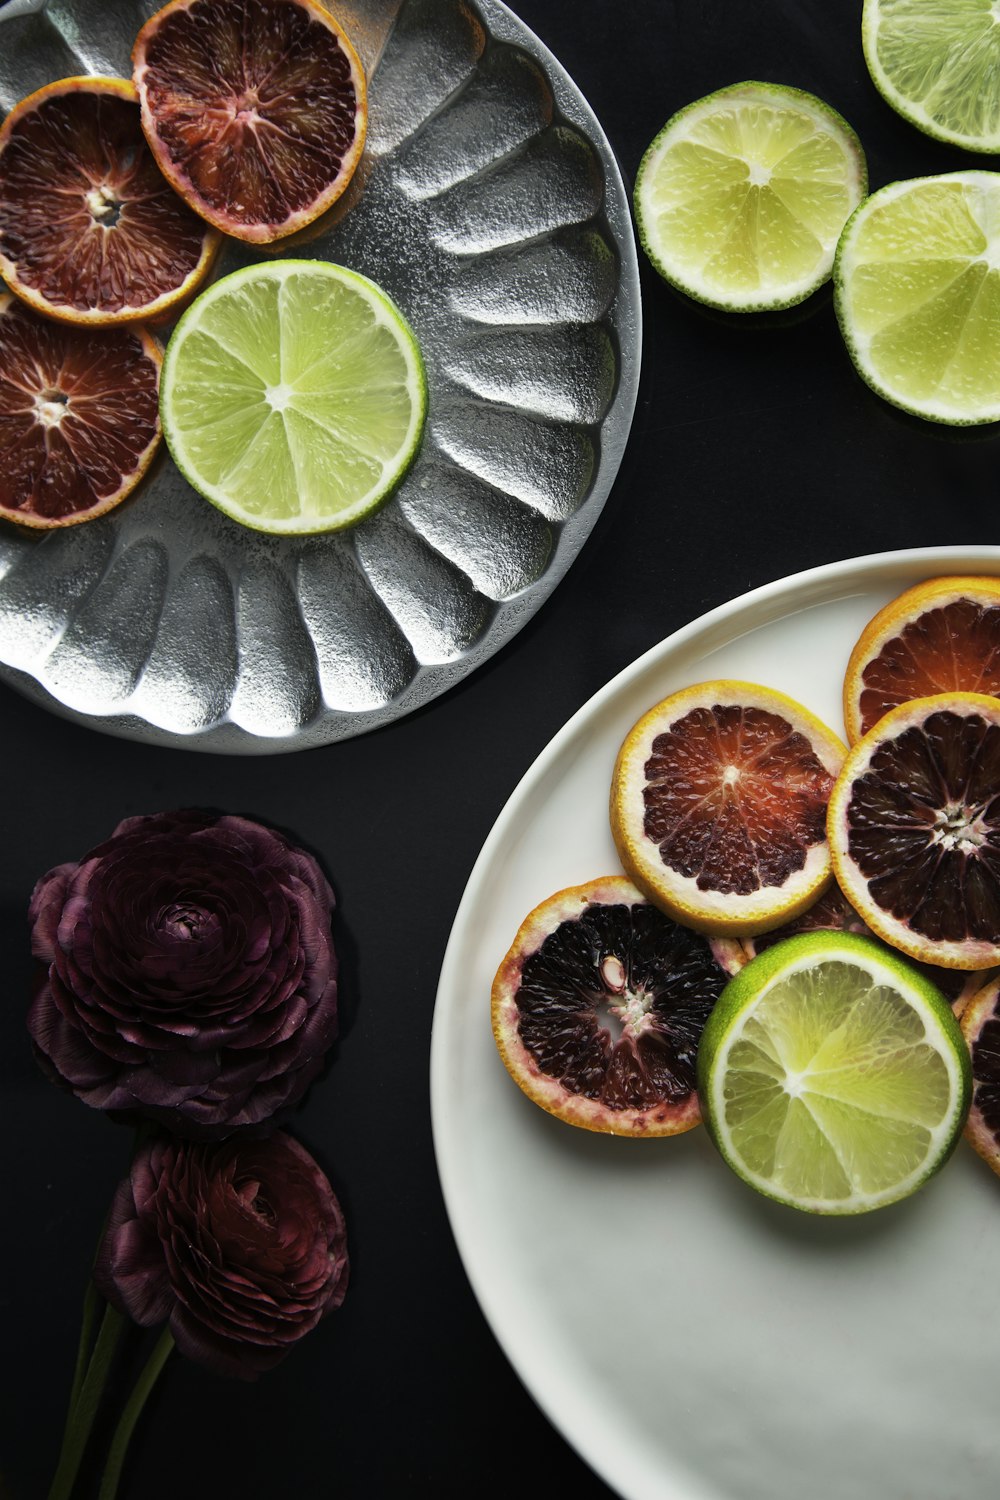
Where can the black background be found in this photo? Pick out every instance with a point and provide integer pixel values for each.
(755, 452)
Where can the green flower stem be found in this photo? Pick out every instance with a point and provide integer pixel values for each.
(130, 1415)
(84, 1409)
(92, 1302)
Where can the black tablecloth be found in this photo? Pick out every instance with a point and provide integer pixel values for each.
(755, 452)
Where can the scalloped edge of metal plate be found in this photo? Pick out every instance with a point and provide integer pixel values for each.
(490, 206)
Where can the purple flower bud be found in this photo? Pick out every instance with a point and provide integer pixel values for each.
(190, 974)
(240, 1244)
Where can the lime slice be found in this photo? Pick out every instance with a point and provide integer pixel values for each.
(833, 1076)
(917, 290)
(741, 197)
(937, 62)
(293, 396)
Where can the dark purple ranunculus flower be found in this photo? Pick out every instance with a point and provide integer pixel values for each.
(190, 974)
(239, 1243)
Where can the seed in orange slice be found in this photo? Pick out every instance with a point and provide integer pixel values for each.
(914, 829)
(598, 1009)
(718, 806)
(981, 1029)
(79, 420)
(89, 230)
(834, 913)
(255, 110)
(941, 636)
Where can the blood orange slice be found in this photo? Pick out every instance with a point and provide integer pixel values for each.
(256, 110)
(981, 1029)
(914, 829)
(941, 636)
(599, 1007)
(834, 913)
(78, 416)
(89, 230)
(718, 802)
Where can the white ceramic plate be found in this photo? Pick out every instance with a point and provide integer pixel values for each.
(693, 1340)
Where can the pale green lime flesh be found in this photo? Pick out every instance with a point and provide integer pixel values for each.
(741, 197)
(937, 62)
(833, 1077)
(293, 396)
(917, 286)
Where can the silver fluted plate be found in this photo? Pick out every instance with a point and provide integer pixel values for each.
(490, 208)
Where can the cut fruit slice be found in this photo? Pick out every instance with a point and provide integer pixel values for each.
(598, 1009)
(293, 396)
(834, 913)
(255, 110)
(89, 230)
(981, 1029)
(741, 198)
(718, 806)
(833, 1076)
(914, 829)
(78, 416)
(941, 636)
(917, 293)
(937, 63)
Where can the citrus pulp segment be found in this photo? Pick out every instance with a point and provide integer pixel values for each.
(741, 198)
(914, 829)
(718, 806)
(78, 416)
(834, 913)
(917, 293)
(939, 636)
(937, 63)
(256, 110)
(833, 1077)
(293, 396)
(981, 1030)
(90, 232)
(598, 1008)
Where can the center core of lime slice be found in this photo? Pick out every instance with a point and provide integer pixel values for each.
(293, 396)
(833, 1076)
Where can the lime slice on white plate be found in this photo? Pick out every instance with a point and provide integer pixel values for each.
(740, 199)
(937, 63)
(293, 396)
(917, 290)
(833, 1077)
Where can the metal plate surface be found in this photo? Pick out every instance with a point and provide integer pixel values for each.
(490, 207)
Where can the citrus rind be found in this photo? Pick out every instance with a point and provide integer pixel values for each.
(922, 328)
(910, 25)
(981, 1030)
(720, 913)
(810, 240)
(39, 397)
(221, 213)
(665, 1116)
(965, 953)
(906, 610)
(742, 1002)
(384, 314)
(155, 309)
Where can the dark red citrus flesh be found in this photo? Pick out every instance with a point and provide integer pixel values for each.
(953, 648)
(734, 836)
(253, 103)
(78, 415)
(86, 217)
(834, 913)
(985, 1049)
(623, 968)
(924, 827)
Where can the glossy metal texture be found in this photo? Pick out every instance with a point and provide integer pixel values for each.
(489, 206)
